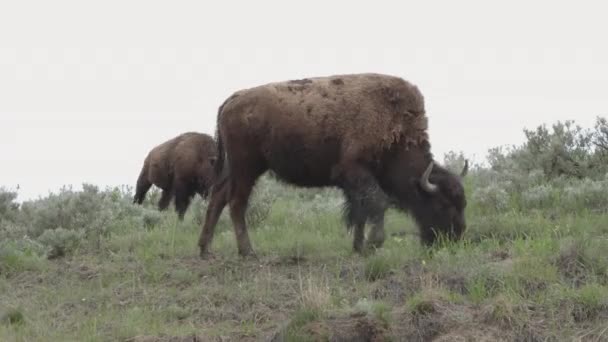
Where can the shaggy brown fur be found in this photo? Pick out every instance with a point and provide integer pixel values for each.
(364, 133)
(181, 167)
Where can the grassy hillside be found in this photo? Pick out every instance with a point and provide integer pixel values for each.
(90, 266)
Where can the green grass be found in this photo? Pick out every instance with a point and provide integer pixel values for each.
(517, 274)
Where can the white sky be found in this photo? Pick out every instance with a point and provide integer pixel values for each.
(88, 88)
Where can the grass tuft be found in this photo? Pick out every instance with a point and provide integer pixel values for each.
(12, 316)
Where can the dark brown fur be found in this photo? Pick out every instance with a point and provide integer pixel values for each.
(364, 133)
(181, 167)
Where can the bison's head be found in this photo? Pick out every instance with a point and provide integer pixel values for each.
(441, 203)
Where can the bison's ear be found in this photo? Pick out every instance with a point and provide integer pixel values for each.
(212, 160)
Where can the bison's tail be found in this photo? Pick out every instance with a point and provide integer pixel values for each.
(221, 164)
(143, 184)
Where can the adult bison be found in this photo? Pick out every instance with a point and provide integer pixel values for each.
(181, 167)
(364, 133)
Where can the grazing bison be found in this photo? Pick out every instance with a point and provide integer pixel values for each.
(181, 167)
(363, 133)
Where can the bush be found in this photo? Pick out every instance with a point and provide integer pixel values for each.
(11, 231)
(21, 254)
(89, 215)
(260, 203)
(492, 198)
(539, 197)
(586, 194)
(60, 242)
(12, 316)
(564, 150)
(8, 207)
(69, 209)
(454, 161)
(151, 218)
(377, 266)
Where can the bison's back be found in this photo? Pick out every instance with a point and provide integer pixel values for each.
(304, 127)
(181, 154)
(192, 152)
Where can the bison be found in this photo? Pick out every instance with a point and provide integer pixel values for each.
(363, 133)
(181, 167)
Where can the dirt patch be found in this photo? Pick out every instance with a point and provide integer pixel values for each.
(499, 255)
(390, 289)
(86, 272)
(436, 320)
(193, 262)
(455, 282)
(432, 316)
(528, 333)
(477, 334)
(502, 266)
(337, 81)
(289, 260)
(431, 319)
(348, 272)
(413, 275)
(163, 338)
(582, 313)
(397, 288)
(356, 328)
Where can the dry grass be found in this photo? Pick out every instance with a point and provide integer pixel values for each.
(146, 283)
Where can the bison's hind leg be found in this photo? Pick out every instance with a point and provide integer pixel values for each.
(217, 202)
(240, 190)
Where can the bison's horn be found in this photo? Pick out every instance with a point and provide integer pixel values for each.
(465, 169)
(424, 180)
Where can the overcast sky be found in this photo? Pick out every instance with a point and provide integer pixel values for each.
(88, 88)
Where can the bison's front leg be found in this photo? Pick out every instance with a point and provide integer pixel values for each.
(364, 199)
(376, 235)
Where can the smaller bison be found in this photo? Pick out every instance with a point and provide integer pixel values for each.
(181, 167)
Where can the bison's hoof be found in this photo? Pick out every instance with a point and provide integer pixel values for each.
(249, 255)
(366, 250)
(359, 250)
(375, 244)
(205, 255)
